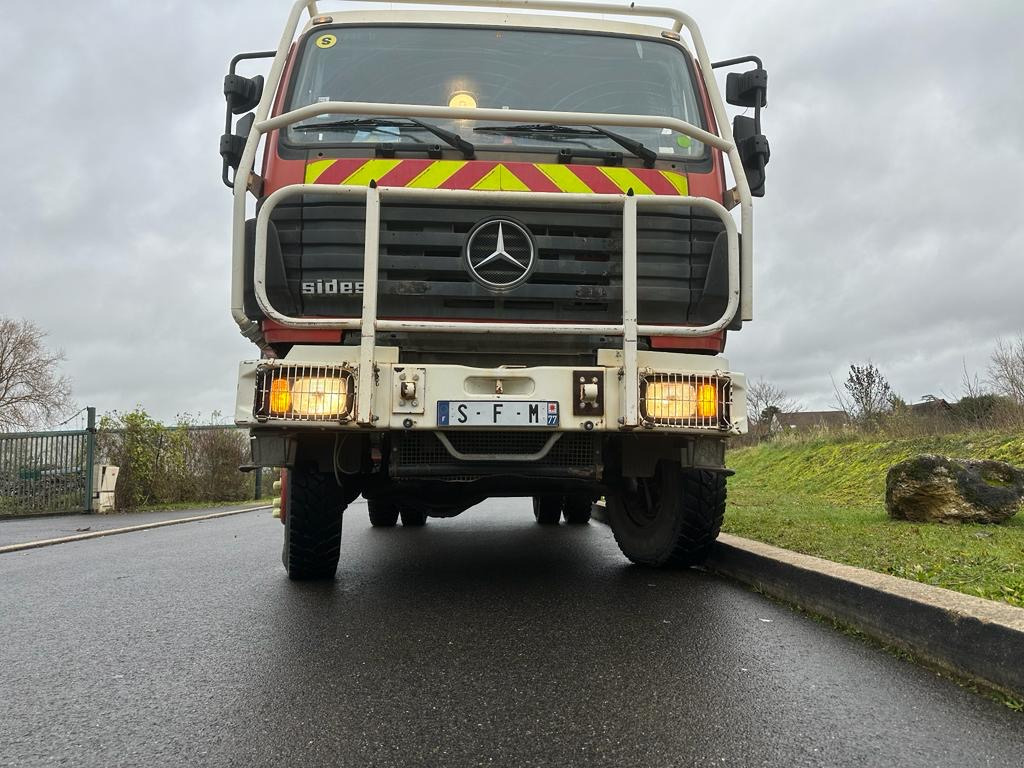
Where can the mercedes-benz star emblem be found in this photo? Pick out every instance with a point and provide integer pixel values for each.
(500, 254)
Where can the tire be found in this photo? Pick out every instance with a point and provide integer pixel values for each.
(383, 514)
(576, 509)
(547, 510)
(413, 518)
(671, 519)
(312, 526)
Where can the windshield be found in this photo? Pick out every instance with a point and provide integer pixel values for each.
(494, 68)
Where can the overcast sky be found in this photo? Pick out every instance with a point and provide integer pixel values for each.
(892, 229)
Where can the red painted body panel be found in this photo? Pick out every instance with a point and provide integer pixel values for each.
(276, 333)
(713, 343)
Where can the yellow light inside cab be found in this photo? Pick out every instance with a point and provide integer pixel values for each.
(707, 401)
(320, 396)
(463, 99)
(666, 400)
(280, 396)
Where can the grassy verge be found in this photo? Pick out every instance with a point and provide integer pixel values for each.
(826, 498)
(201, 505)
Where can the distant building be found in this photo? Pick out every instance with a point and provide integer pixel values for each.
(931, 407)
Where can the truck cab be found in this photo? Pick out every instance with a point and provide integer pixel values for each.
(493, 254)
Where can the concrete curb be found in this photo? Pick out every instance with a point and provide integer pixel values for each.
(981, 640)
(126, 529)
(973, 638)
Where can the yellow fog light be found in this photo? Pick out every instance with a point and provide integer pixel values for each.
(319, 396)
(668, 400)
(280, 396)
(707, 401)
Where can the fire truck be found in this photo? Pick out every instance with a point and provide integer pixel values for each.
(490, 251)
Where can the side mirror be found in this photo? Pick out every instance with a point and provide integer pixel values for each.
(242, 93)
(754, 152)
(747, 89)
(233, 144)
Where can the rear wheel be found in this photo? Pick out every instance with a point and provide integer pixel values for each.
(547, 510)
(414, 518)
(672, 518)
(383, 514)
(312, 526)
(576, 509)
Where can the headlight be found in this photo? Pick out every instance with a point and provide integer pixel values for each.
(669, 399)
(311, 393)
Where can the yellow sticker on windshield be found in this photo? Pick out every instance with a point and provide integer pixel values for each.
(326, 41)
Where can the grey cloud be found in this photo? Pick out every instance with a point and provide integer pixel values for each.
(892, 229)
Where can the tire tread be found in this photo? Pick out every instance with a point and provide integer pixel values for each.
(704, 497)
(312, 544)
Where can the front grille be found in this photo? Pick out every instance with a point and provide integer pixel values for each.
(578, 276)
(483, 444)
(425, 454)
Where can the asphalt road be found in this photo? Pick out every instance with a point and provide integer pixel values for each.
(481, 640)
(17, 530)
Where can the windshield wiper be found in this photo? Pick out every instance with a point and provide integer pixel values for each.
(369, 125)
(649, 156)
(448, 137)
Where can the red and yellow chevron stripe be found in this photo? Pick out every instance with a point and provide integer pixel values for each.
(496, 176)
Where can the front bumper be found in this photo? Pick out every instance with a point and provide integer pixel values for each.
(405, 396)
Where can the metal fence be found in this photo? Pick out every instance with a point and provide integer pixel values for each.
(53, 472)
(47, 472)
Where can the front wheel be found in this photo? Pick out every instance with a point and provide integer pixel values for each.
(672, 518)
(547, 510)
(383, 514)
(312, 526)
(413, 518)
(576, 509)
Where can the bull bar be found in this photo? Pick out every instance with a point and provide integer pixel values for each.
(740, 266)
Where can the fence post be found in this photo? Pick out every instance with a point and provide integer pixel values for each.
(90, 456)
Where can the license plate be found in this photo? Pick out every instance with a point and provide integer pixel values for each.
(497, 413)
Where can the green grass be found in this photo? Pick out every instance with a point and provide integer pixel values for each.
(826, 498)
(172, 506)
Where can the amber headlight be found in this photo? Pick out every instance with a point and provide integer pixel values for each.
(311, 393)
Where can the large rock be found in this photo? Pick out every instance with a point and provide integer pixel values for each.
(929, 488)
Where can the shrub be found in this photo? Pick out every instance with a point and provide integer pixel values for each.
(186, 462)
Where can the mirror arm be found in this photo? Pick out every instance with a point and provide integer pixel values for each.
(741, 60)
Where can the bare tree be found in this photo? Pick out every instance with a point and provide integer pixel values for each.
(868, 394)
(766, 401)
(32, 392)
(1006, 368)
(970, 384)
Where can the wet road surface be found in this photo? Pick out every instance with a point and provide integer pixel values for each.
(481, 640)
